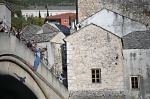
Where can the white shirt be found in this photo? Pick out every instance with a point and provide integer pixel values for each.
(61, 79)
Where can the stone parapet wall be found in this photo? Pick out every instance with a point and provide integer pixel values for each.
(138, 10)
(102, 94)
(58, 59)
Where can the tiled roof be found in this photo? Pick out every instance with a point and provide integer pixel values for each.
(137, 40)
(49, 31)
(44, 37)
(64, 15)
(31, 32)
(49, 27)
(63, 29)
(31, 29)
(51, 8)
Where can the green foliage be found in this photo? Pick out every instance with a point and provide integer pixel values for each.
(17, 22)
(19, 2)
(35, 20)
(18, 12)
(42, 2)
(21, 22)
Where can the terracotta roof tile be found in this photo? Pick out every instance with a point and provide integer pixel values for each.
(64, 15)
(1, 0)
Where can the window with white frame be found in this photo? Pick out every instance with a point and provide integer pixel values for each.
(96, 75)
(134, 82)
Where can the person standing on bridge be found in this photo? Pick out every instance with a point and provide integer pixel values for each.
(38, 58)
(61, 78)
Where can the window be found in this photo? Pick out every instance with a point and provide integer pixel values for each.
(65, 21)
(134, 82)
(52, 20)
(26, 16)
(96, 75)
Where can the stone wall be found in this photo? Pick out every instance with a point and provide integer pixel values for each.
(138, 10)
(113, 22)
(136, 63)
(102, 94)
(93, 47)
(58, 59)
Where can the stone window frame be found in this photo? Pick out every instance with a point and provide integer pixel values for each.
(96, 75)
(134, 81)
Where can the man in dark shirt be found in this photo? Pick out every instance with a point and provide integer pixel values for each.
(1, 26)
(30, 44)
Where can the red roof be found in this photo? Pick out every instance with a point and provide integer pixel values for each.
(64, 15)
(1, 0)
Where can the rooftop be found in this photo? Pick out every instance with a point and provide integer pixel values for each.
(137, 40)
(45, 33)
(64, 15)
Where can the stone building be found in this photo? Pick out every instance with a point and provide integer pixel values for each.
(138, 10)
(98, 66)
(94, 64)
(50, 10)
(5, 15)
(114, 22)
(136, 57)
(102, 65)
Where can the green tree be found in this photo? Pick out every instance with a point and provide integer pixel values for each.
(36, 20)
(39, 14)
(18, 12)
(17, 22)
(22, 22)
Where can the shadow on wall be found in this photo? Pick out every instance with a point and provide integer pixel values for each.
(11, 88)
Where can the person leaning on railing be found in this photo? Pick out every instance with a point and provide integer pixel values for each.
(39, 56)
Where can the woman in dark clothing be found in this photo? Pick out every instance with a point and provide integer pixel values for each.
(1, 26)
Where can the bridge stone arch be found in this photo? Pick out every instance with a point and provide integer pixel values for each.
(14, 67)
(14, 54)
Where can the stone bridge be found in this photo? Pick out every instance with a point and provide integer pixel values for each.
(18, 81)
